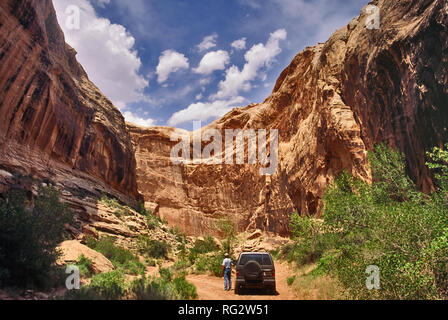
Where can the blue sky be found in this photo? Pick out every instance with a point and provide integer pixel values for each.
(171, 62)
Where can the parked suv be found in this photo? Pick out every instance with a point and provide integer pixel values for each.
(255, 270)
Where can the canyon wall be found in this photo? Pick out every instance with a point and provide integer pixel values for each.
(331, 105)
(54, 123)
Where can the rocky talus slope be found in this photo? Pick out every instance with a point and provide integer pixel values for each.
(331, 105)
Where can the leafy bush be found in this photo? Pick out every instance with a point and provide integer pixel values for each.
(29, 236)
(120, 257)
(153, 248)
(166, 274)
(229, 230)
(153, 289)
(180, 236)
(163, 288)
(275, 253)
(121, 210)
(211, 263)
(181, 264)
(152, 221)
(109, 285)
(290, 280)
(387, 223)
(205, 246)
(185, 289)
(85, 266)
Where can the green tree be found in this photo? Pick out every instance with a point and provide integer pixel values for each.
(228, 229)
(29, 236)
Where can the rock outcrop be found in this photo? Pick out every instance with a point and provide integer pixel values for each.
(71, 251)
(331, 105)
(54, 123)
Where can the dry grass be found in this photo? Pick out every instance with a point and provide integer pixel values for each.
(310, 287)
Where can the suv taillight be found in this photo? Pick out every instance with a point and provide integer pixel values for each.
(269, 273)
(237, 274)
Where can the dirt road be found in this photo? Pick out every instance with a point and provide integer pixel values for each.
(212, 288)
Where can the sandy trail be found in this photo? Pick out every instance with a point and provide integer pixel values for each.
(212, 288)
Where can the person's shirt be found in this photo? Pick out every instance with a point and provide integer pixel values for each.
(227, 263)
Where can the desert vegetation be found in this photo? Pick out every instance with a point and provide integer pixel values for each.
(388, 223)
(29, 235)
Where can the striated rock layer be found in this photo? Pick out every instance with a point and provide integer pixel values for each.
(54, 123)
(330, 105)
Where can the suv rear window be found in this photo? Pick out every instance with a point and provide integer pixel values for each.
(261, 258)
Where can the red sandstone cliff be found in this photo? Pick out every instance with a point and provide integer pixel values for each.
(330, 105)
(54, 123)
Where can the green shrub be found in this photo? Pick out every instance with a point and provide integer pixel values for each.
(180, 236)
(152, 221)
(103, 286)
(275, 253)
(121, 210)
(163, 288)
(181, 264)
(120, 257)
(153, 289)
(151, 262)
(109, 285)
(153, 248)
(184, 289)
(229, 230)
(85, 266)
(29, 236)
(387, 223)
(290, 280)
(211, 263)
(166, 274)
(204, 246)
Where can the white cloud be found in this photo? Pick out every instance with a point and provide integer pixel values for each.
(170, 61)
(204, 110)
(106, 51)
(259, 56)
(239, 44)
(131, 117)
(205, 81)
(101, 3)
(215, 60)
(208, 42)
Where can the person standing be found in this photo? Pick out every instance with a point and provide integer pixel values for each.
(227, 272)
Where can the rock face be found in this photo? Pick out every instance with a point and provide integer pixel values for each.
(72, 250)
(54, 123)
(331, 105)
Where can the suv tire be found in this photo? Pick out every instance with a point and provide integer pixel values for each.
(252, 271)
(237, 289)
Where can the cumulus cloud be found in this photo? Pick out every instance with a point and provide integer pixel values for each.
(215, 60)
(239, 44)
(106, 51)
(131, 117)
(208, 42)
(101, 3)
(259, 56)
(170, 61)
(204, 111)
